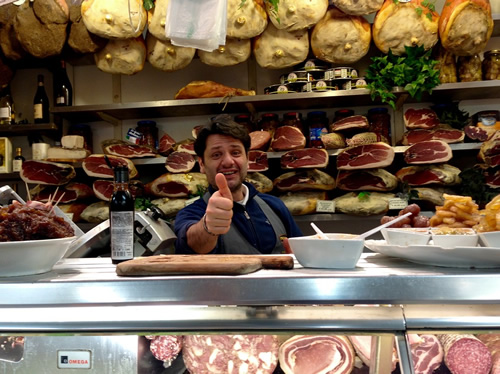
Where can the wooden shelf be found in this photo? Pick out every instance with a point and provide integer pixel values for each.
(26, 129)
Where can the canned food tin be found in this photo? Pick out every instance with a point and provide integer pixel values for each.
(276, 89)
(359, 83)
(313, 64)
(341, 72)
(302, 76)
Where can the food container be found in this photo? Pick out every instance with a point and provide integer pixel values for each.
(491, 65)
(406, 236)
(149, 133)
(302, 76)
(283, 88)
(359, 83)
(320, 85)
(339, 251)
(487, 118)
(490, 239)
(469, 68)
(341, 72)
(448, 237)
(313, 64)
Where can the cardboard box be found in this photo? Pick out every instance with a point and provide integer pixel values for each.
(5, 155)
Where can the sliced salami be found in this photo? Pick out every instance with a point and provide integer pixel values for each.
(166, 348)
(465, 354)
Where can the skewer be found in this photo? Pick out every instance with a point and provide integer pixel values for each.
(57, 202)
(27, 191)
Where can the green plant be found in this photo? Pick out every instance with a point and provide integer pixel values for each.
(148, 4)
(414, 72)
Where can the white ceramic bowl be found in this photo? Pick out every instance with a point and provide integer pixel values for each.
(339, 251)
(454, 237)
(406, 236)
(31, 256)
(490, 239)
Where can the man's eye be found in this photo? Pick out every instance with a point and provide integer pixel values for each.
(236, 153)
(216, 155)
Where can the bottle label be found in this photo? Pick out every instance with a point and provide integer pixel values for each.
(38, 111)
(5, 113)
(315, 135)
(17, 165)
(60, 100)
(122, 235)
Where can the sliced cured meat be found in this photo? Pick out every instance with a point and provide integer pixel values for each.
(366, 180)
(368, 156)
(304, 158)
(301, 203)
(490, 150)
(259, 140)
(363, 346)
(420, 135)
(186, 145)
(369, 204)
(96, 166)
(205, 354)
(492, 341)
(428, 152)
(177, 185)
(180, 162)
(366, 138)
(261, 183)
(479, 133)
(166, 145)
(127, 150)
(257, 161)
(166, 348)
(465, 354)
(428, 174)
(46, 172)
(64, 194)
(350, 123)
(492, 177)
(316, 354)
(103, 189)
(424, 118)
(196, 130)
(427, 353)
(287, 138)
(304, 180)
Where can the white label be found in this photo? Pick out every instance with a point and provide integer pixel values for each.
(73, 359)
(325, 206)
(17, 165)
(397, 203)
(122, 235)
(60, 100)
(38, 111)
(5, 112)
(282, 89)
(292, 77)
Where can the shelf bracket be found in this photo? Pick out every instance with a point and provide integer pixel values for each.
(109, 118)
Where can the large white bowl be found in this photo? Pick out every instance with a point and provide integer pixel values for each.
(490, 239)
(339, 251)
(31, 256)
(406, 236)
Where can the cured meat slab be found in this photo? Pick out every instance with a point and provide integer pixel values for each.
(46, 172)
(304, 158)
(287, 138)
(368, 156)
(257, 161)
(202, 264)
(424, 118)
(428, 152)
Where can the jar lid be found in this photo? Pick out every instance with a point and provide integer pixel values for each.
(146, 123)
(492, 52)
(378, 111)
(242, 116)
(270, 116)
(341, 112)
(317, 113)
(291, 115)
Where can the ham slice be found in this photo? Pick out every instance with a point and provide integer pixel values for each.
(95, 166)
(316, 354)
(422, 135)
(305, 158)
(177, 185)
(368, 156)
(127, 150)
(428, 152)
(424, 118)
(366, 180)
(205, 89)
(427, 353)
(180, 162)
(166, 145)
(429, 174)
(350, 123)
(46, 172)
(305, 180)
(490, 150)
(257, 161)
(287, 138)
(259, 140)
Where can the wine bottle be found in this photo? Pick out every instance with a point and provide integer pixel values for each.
(121, 218)
(63, 91)
(41, 103)
(17, 163)
(7, 112)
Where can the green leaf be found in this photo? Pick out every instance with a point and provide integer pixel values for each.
(150, 4)
(363, 196)
(419, 11)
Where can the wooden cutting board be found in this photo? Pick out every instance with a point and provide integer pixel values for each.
(202, 264)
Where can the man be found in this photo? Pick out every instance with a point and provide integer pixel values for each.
(232, 217)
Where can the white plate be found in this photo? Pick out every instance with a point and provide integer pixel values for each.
(462, 257)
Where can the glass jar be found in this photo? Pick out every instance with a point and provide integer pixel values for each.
(469, 68)
(380, 121)
(149, 133)
(342, 113)
(447, 66)
(84, 130)
(269, 122)
(246, 121)
(491, 65)
(293, 119)
(318, 125)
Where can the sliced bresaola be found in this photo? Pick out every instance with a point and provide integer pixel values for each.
(177, 185)
(103, 188)
(287, 138)
(257, 161)
(166, 145)
(64, 194)
(127, 150)
(180, 162)
(366, 180)
(301, 180)
(421, 135)
(96, 166)
(305, 158)
(368, 156)
(424, 118)
(259, 140)
(429, 174)
(464, 353)
(46, 172)
(428, 152)
(356, 122)
(317, 354)
(427, 353)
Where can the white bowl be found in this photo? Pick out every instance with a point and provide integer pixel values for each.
(490, 239)
(406, 236)
(339, 251)
(454, 237)
(31, 256)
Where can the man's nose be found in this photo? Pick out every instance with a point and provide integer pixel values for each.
(227, 159)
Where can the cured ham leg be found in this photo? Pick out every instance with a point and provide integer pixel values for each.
(204, 89)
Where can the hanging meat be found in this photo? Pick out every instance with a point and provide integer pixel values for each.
(11, 47)
(428, 152)
(304, 202)
(368, 156)
(340, 38)
(245, 20)
(235, 51)
(304, 180)
(429, 174)
(399, 24)
(80, 39)
(293, 15)
(465, 26)
(122, 56)
(366, 180)
(124, 149)
(156, 19)
(165, 56)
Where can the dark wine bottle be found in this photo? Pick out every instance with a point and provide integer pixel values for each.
(41, 103)
(121, 218)
(7, 112)
(63, 91)
(17, 163)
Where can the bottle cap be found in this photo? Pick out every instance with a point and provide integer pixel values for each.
(146, 123)
(121, 174)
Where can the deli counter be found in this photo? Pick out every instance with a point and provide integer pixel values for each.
(83, 306)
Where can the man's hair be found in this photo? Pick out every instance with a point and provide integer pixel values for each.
(222, 124)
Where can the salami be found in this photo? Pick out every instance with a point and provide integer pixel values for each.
(465, 354)
(166, 348)
(205, 354)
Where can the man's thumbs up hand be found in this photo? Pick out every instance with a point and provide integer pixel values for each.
(220, 207)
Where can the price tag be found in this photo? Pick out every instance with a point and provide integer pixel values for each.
(325, 206)
(397, 203)
(190, 201)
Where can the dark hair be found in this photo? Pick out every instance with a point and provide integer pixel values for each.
(222, 124)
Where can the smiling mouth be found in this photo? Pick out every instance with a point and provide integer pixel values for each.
(228, 172)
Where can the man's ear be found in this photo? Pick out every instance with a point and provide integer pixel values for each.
(202, 166)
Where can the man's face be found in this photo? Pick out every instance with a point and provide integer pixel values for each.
(225, 154)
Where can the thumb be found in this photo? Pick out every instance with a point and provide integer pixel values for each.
(221, 182)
